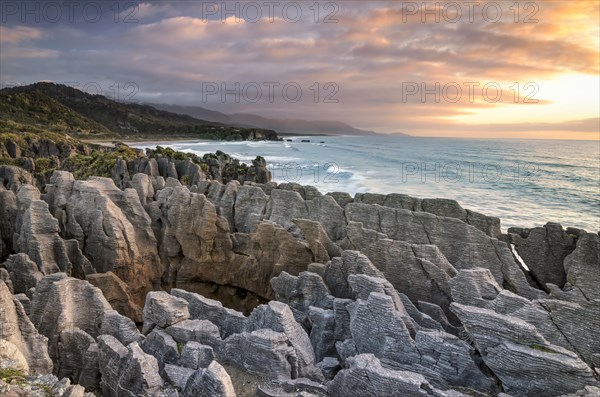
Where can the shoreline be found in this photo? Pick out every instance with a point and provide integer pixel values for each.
(254, 257)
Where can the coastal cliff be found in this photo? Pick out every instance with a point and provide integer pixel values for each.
(125, 273)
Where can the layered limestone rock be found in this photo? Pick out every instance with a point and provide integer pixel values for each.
(372, 295)
(583, 267)
(366, 377)
(464, 246)
(544, 249)
(529, 345)
(441, 207)
(421, 271)
(200, 250)
(69, 313)
(8, 218)
(112, 229)
(127, 370)
(286, 205)
(209, 382)
(23, 348)
(37, 235)
(117, 293)
(23, 273)
(366, 315)
(12, 178)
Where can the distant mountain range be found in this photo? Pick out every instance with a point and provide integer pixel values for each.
(282, 126)
(60, 108)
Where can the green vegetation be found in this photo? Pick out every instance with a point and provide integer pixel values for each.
(98, 163)
(175, 155)
(24, 140)
(180, 347)
(19, 378)
(168, 152)
(36, 112)
(542, 348)
(59, 108)
(8, 374)
(45, 166)
(11, 161)
(47, 389)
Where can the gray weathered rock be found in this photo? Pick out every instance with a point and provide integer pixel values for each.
(117, 294)
(249, 208)
(141, 373)
(440, 207)
(210, 382)
(127, 371)
(420, 271)
(286, 205)
(322, 334)
(73, 345)
(318, 241)
(301, 292)
(114, 232)
(477, 288)
(588, 391)
(262, 352)
(112, 356)
(227, 320)
(12, 177)
(37, 234)
(190, 171)
(62, 302)
(119, 326)
(278, 317)
(583, 266)
(196, 356)
(163, 310)
(177, 376)
(163, 347)
(543, 249)
(8, 218)
(525, 362)
(23, 272)
(226, 204)
(330, 366)
(144, 188)
(579, 324)
(339, 269)
(365, 377)
(21, 341)
(89, 376)
(464, 246)
(342, 198)
(201, 331)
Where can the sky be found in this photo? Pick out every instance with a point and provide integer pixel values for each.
(485, 69)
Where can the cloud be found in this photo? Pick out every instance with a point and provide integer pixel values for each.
(369, 53)
(19, 34)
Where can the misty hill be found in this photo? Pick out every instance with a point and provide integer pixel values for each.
(296, 126)
(60, 108)
(283, 126)
(197, 112)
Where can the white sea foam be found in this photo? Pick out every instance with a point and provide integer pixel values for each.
(563, 188)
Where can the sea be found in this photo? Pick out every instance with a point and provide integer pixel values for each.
(525, 183)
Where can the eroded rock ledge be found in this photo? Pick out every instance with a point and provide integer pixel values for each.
(163, 288)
